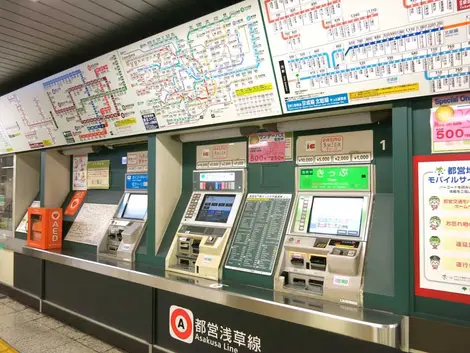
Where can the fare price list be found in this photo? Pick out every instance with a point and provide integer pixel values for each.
(257, 239)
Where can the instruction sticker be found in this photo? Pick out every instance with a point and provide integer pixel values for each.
(341, 281)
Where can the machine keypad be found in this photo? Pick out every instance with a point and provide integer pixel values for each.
(192, 205)
(303, 215)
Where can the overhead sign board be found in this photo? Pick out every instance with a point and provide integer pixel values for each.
(215, 69)
(366, 51)
(220, 69)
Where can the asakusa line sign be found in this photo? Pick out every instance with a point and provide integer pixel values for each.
(185, 328)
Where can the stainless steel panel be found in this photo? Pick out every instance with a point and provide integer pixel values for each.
(6, 68)
(138, 5)
(158, 3)
(18, 21)
(28, 41)
(364, 324)
(61, 15)
(29, 14)
(118, 8)
(17, 59)
(100, 9)
(13, 64)
(16, 48)
(48, 40)
(70, 8)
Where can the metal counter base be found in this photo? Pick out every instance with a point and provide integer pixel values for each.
(141, 302)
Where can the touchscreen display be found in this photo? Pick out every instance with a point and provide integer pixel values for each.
(136, 207)
(336, 216)
(216, 208)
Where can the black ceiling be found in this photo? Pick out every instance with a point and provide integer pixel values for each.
(176, 13)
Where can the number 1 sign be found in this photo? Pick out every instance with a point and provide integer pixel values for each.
(450, 123)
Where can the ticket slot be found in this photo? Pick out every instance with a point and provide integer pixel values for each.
(318, 262)
(297, 260)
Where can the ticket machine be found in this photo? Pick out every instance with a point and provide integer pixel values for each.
(198, 248)
(129, 223)
(326, 241)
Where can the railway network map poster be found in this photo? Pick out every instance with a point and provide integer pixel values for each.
(212, 70)
(366, 50)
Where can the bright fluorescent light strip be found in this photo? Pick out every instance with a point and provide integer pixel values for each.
(326, 122)
(211, 135)
(77, 151)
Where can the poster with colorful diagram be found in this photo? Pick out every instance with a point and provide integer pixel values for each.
(442, 227)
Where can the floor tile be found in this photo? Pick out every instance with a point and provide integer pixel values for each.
(42, 343)
(73, 347)
(70, 332)
(15, 318)
(4, 300)
(115, 350)
(5, 310)
(49, 322)
(32, 313)
(18, 333)
(95, 344)
(16, 306)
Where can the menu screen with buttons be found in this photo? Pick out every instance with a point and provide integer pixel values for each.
(336, 216)
(216, 208)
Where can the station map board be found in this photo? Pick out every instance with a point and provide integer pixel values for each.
(212, 70)
(220, 68)
(329, 53)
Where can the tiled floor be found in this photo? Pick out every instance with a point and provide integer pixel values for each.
(24, 330)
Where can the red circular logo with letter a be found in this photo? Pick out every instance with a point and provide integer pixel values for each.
(181, 324)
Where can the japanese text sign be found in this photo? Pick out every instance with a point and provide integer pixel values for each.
(268, 148)
(442, 227)
(450, 123)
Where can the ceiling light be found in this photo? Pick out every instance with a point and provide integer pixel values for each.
(218, 134)
(324, 123)
(79, 151)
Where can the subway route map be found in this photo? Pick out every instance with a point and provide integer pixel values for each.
(212, 70)
(366, 50)
(215, 69)
(257, 58)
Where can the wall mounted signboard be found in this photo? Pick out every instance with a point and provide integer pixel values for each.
(366, 50)
(220, 68)
(214, 69)
(442, 227)
(450, 123)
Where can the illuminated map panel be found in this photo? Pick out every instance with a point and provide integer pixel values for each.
(212, 70)
(330, 53)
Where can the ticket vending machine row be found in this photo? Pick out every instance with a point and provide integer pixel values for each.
(198, 248)
(126, 228)
(325, 245)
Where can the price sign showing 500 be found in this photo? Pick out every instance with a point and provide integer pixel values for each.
(453, 133)
(256, 158)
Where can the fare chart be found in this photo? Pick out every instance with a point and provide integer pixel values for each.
(330, 53)
(212, 70)
(220, 68)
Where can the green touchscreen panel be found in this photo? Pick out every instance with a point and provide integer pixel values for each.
(335, 178)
